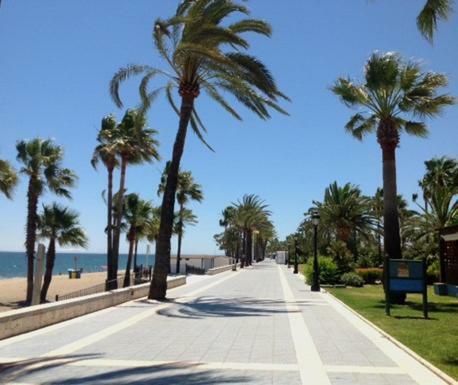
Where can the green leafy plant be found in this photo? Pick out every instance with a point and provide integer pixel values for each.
(370, 275)
(329, 273)
(352, 279)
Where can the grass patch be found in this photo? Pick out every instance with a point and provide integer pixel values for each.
(435, 339)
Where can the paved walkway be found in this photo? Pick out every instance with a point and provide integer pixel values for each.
(260, 325)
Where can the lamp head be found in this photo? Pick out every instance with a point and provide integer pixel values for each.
(315, 218)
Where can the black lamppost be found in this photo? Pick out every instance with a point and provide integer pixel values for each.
(316, 270)
(296, 270)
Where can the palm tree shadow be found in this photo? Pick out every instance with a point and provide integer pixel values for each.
(179, 373)
(204, 307)
(169, 374)
(13, 370)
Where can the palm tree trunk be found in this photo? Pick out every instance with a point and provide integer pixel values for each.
(158, 288)
(118, 219)
(242, 265)
(31, 229)
(50, 258)
(135, 255)
(111, 275)
(180, 236)
(380, 258)
(392, 236)
(129, 258)
(249, 248)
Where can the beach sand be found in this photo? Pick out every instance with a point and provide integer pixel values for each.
(12, 290)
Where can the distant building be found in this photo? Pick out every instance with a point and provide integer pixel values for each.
(280, 257)
(204, 262)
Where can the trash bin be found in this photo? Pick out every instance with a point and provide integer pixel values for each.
(74, 274)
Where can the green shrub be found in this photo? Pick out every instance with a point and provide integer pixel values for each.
(352, 279)
(329, 273)
(433, 272)
(370, 275)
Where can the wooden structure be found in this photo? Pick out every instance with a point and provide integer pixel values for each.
(449, 260)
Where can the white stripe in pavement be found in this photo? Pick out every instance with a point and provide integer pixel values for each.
(364, 369)
(311, 367)
(186, 364)
(95, 337)
(419, 373)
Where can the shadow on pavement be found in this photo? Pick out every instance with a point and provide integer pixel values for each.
(229, 307)
(13, 370)
(169, 374)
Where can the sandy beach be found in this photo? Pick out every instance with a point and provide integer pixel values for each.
(12, 290)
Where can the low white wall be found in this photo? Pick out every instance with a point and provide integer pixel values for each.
(218, 270)
(20, 321)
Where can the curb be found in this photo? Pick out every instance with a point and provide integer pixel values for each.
(445, 377)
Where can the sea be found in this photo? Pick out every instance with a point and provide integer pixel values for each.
(14, 264)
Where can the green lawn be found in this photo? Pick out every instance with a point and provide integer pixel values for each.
(435, 339)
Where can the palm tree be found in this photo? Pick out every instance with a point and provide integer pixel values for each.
(8, 178)
(137, 213)
(251, 212)
(432, 12)
(60, 225)
(187, 190)
(345, 210)
(393, 92)
(377, 209)
(135, 144)
(106, 152)
(184, 217)
(42, 163)
(191, 42)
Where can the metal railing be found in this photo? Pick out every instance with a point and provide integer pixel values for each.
(100, 288)
(194, 270)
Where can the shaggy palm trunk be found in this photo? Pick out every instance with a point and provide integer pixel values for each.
(380, 257)
(242, 265)
(132, 237)
(118, 219)
(135, 255)
(158, 288)
(50, 258)
(249, 251)
(111, 275)
(388, 138)
(31, 230)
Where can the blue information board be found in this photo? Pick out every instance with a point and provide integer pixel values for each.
(406, 276)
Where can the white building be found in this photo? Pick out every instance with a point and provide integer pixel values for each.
(204, 262)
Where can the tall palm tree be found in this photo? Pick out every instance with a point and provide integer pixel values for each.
(135, 144)
(194, 45)
(137, 213)
(187, 190)
(42, 163)
(392, 93)
(106, 152)
(346, 210)
(8, 178)
(251, 212)
(61, 226)
(432, 12)
(183, 218)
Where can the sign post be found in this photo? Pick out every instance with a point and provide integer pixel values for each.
(406, 276)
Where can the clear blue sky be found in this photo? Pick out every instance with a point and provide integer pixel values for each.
(57, 58)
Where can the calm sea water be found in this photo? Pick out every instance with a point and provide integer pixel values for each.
(14, 264)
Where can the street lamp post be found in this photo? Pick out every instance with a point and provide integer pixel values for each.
(296, 270)
(316, 270)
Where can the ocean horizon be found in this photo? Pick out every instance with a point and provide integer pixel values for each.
(14, 263)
